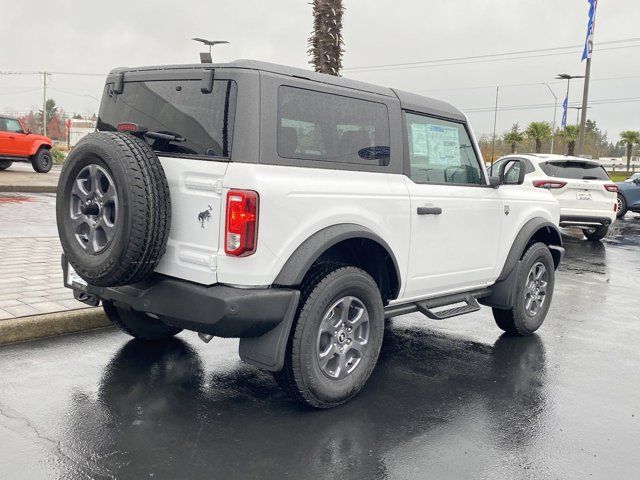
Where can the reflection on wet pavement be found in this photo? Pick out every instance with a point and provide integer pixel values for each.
(451, 399)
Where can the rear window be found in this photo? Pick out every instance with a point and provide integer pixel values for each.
(204, 121)
(332, 128)
(575, 170)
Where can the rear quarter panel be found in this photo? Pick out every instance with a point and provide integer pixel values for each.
(297, 202)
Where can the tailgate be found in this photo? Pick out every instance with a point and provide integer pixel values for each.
(585, 195)
(196, 209)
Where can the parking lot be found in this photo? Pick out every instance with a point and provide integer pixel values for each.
(448, 400)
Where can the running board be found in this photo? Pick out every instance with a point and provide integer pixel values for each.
(427, 306)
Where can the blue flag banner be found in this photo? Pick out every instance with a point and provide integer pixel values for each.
(588, 43)
(564, 111)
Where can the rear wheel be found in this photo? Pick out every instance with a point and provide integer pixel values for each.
(533, 293)
(4, 164)
(42, 161)
(336, 339)
(622, 206)
(138, 324)
(595, 234)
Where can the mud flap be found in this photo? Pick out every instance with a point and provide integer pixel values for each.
(267, 351)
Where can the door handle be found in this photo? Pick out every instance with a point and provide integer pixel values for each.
(12, 138)
(429, 210)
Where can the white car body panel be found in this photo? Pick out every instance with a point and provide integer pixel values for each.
(192, 247)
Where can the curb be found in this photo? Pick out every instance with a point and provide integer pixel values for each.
(22, 329)
(28, 188)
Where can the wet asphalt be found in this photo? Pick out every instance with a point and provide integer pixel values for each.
(453, 399)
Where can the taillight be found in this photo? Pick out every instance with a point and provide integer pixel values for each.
(549, 184)
(241, 226)
(131, 128)
(610, 187)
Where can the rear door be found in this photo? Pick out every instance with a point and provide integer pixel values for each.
(455, 218)
(194, 165)
(584, 189)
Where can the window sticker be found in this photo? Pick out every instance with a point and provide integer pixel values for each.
(419, 139)
(443, 145)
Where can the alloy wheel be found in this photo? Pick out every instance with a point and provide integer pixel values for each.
(343, 337)
(94, 208)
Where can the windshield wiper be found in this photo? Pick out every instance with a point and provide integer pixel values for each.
(165, 137)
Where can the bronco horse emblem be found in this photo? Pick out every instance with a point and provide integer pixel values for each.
(205, 216)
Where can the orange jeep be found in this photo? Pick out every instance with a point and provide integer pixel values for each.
(18, 144)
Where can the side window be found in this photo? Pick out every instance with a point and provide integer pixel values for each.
(440, 151)
(13, 125)
(513, 172)
(3, 125)
(331, 128)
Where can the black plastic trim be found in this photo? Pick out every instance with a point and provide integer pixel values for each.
(576, 220)
(309, 251)
(521, 241)
(218, 310)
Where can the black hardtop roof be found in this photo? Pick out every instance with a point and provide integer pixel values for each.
(410, 101)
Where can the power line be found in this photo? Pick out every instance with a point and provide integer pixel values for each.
(549, 105)
(531, 84)
(487, 57)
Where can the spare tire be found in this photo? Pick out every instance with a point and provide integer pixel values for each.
(113, 209)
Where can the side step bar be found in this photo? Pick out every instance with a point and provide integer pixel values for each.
(427, 306)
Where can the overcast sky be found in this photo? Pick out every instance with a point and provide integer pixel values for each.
(93, 37)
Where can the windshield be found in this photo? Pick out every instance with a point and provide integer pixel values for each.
(202, 121)
(574, 170)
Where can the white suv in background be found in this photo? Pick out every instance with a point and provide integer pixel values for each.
(583, 188)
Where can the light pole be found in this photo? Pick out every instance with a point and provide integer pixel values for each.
(555, 109)
(568, 78)
(577, 113)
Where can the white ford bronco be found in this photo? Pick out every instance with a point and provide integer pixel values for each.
(295, 211)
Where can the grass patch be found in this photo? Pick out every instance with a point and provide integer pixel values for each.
(619, 176)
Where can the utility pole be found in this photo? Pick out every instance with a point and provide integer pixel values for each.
(555, 109)
(495, 118)
(44, 104)
(588, 51)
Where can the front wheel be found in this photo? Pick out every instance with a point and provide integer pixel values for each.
(4, 164)
(336, 339)
(42, 161)
(534, 291)
(138, 324)
(595, 234)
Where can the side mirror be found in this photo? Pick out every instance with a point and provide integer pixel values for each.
(494, 182)
(512, 172)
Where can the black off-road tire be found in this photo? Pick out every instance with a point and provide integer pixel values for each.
(4, 164)
(516, 321)
(596, 234)
(144, 216)
(138, 324)
(42, 161)
(301, 376)
(622, 207)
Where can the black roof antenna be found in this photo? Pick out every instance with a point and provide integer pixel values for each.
(205, 57)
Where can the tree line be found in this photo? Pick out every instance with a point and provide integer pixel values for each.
(538, 137)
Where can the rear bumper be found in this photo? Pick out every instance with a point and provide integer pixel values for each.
(218, 310)
(571, 219)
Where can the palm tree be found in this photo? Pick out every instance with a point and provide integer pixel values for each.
(538, 131)
(513, 137)
(325, 43)
(570, 135)
(628, 138)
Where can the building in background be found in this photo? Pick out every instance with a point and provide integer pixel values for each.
(78, 128)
